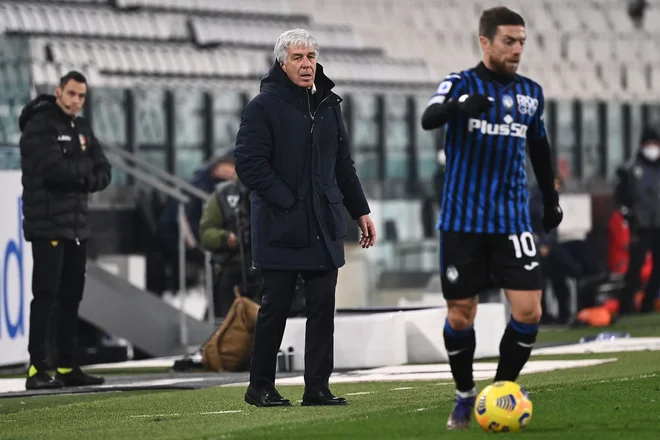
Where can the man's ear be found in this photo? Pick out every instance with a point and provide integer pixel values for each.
(58, 92)
(484, 42)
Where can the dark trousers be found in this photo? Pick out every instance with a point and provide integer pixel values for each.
(58, 281)
(641, 242)
(279, 287)
(223, 293)
(572, 259)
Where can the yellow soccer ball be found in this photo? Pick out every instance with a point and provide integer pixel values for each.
(503, 407)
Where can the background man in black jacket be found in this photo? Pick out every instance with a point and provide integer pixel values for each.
(292, 153)
(637, 195)
(62, 162)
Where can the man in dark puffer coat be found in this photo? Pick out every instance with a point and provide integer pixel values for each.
(292, 153)
(62, 163)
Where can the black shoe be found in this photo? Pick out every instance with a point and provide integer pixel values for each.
(76, 378)
(322, 398)
(265, 398)
(42, 381)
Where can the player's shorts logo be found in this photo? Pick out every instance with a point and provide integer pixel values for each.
(507, 101)
(452, 274)
(527, 105)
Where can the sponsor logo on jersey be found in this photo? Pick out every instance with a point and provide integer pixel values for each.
(514, 129)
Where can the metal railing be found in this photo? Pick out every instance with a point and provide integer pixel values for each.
(181, 191)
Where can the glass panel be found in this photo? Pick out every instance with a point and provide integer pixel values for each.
(635, 125)
(109, 115)
(427, 162)
(108, 106)
(188, 160)
(189, 119)
(155, 156)
(227, 110)
(189, 131)
(365, 137)
(10, 158)
(150, 116)
(654, 115)
(396, 138)
(590, 141)
(565, 142)
(614, 139)
(11, 105)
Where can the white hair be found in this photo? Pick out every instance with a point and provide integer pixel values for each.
(293, 38)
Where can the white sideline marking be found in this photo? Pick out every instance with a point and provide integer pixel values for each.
(615, 346)
(410, 373)
(155, 415)
(359, 393)
(153, 383)
(404, 388)
(17, 385)
(222, 412)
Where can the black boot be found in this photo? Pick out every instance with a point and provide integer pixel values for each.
(42, 381)
(77, 378)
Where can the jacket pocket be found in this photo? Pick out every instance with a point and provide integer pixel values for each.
(288, 227)
(334, 198)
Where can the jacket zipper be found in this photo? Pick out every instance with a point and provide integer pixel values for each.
(75, 218)
(311, 142)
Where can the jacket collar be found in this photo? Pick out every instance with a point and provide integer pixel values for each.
(276, 81)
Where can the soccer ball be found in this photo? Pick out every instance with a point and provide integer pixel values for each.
(503, 407)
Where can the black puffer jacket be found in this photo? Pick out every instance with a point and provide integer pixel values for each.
(62, 162)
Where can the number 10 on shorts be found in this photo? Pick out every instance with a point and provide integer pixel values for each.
(523, 244)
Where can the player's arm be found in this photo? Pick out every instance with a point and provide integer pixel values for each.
(443, 105)
(449, 99)
(623, 196)
(540, 155)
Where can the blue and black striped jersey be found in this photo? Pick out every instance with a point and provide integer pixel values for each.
(485, 187)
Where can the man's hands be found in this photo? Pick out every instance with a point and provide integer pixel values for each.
(232, 241)
(474, 105)
(368, 229)
(552, 216)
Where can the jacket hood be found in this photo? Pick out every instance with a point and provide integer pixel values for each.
(277, 82)
(39, 104)
(649, 134)
(203, 177)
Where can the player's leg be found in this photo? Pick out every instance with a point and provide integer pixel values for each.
(517, 268)
(464, 273)
(520, 334)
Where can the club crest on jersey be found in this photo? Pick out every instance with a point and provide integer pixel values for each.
(527, 105)
(83, 142)
(507, 101)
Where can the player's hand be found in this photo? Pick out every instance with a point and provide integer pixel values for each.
(474, 105)
(552, 217)
(368, 229)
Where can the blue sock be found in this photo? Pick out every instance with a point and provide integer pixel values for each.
(460, 345)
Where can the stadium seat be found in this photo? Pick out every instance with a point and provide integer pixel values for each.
(150, 38)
